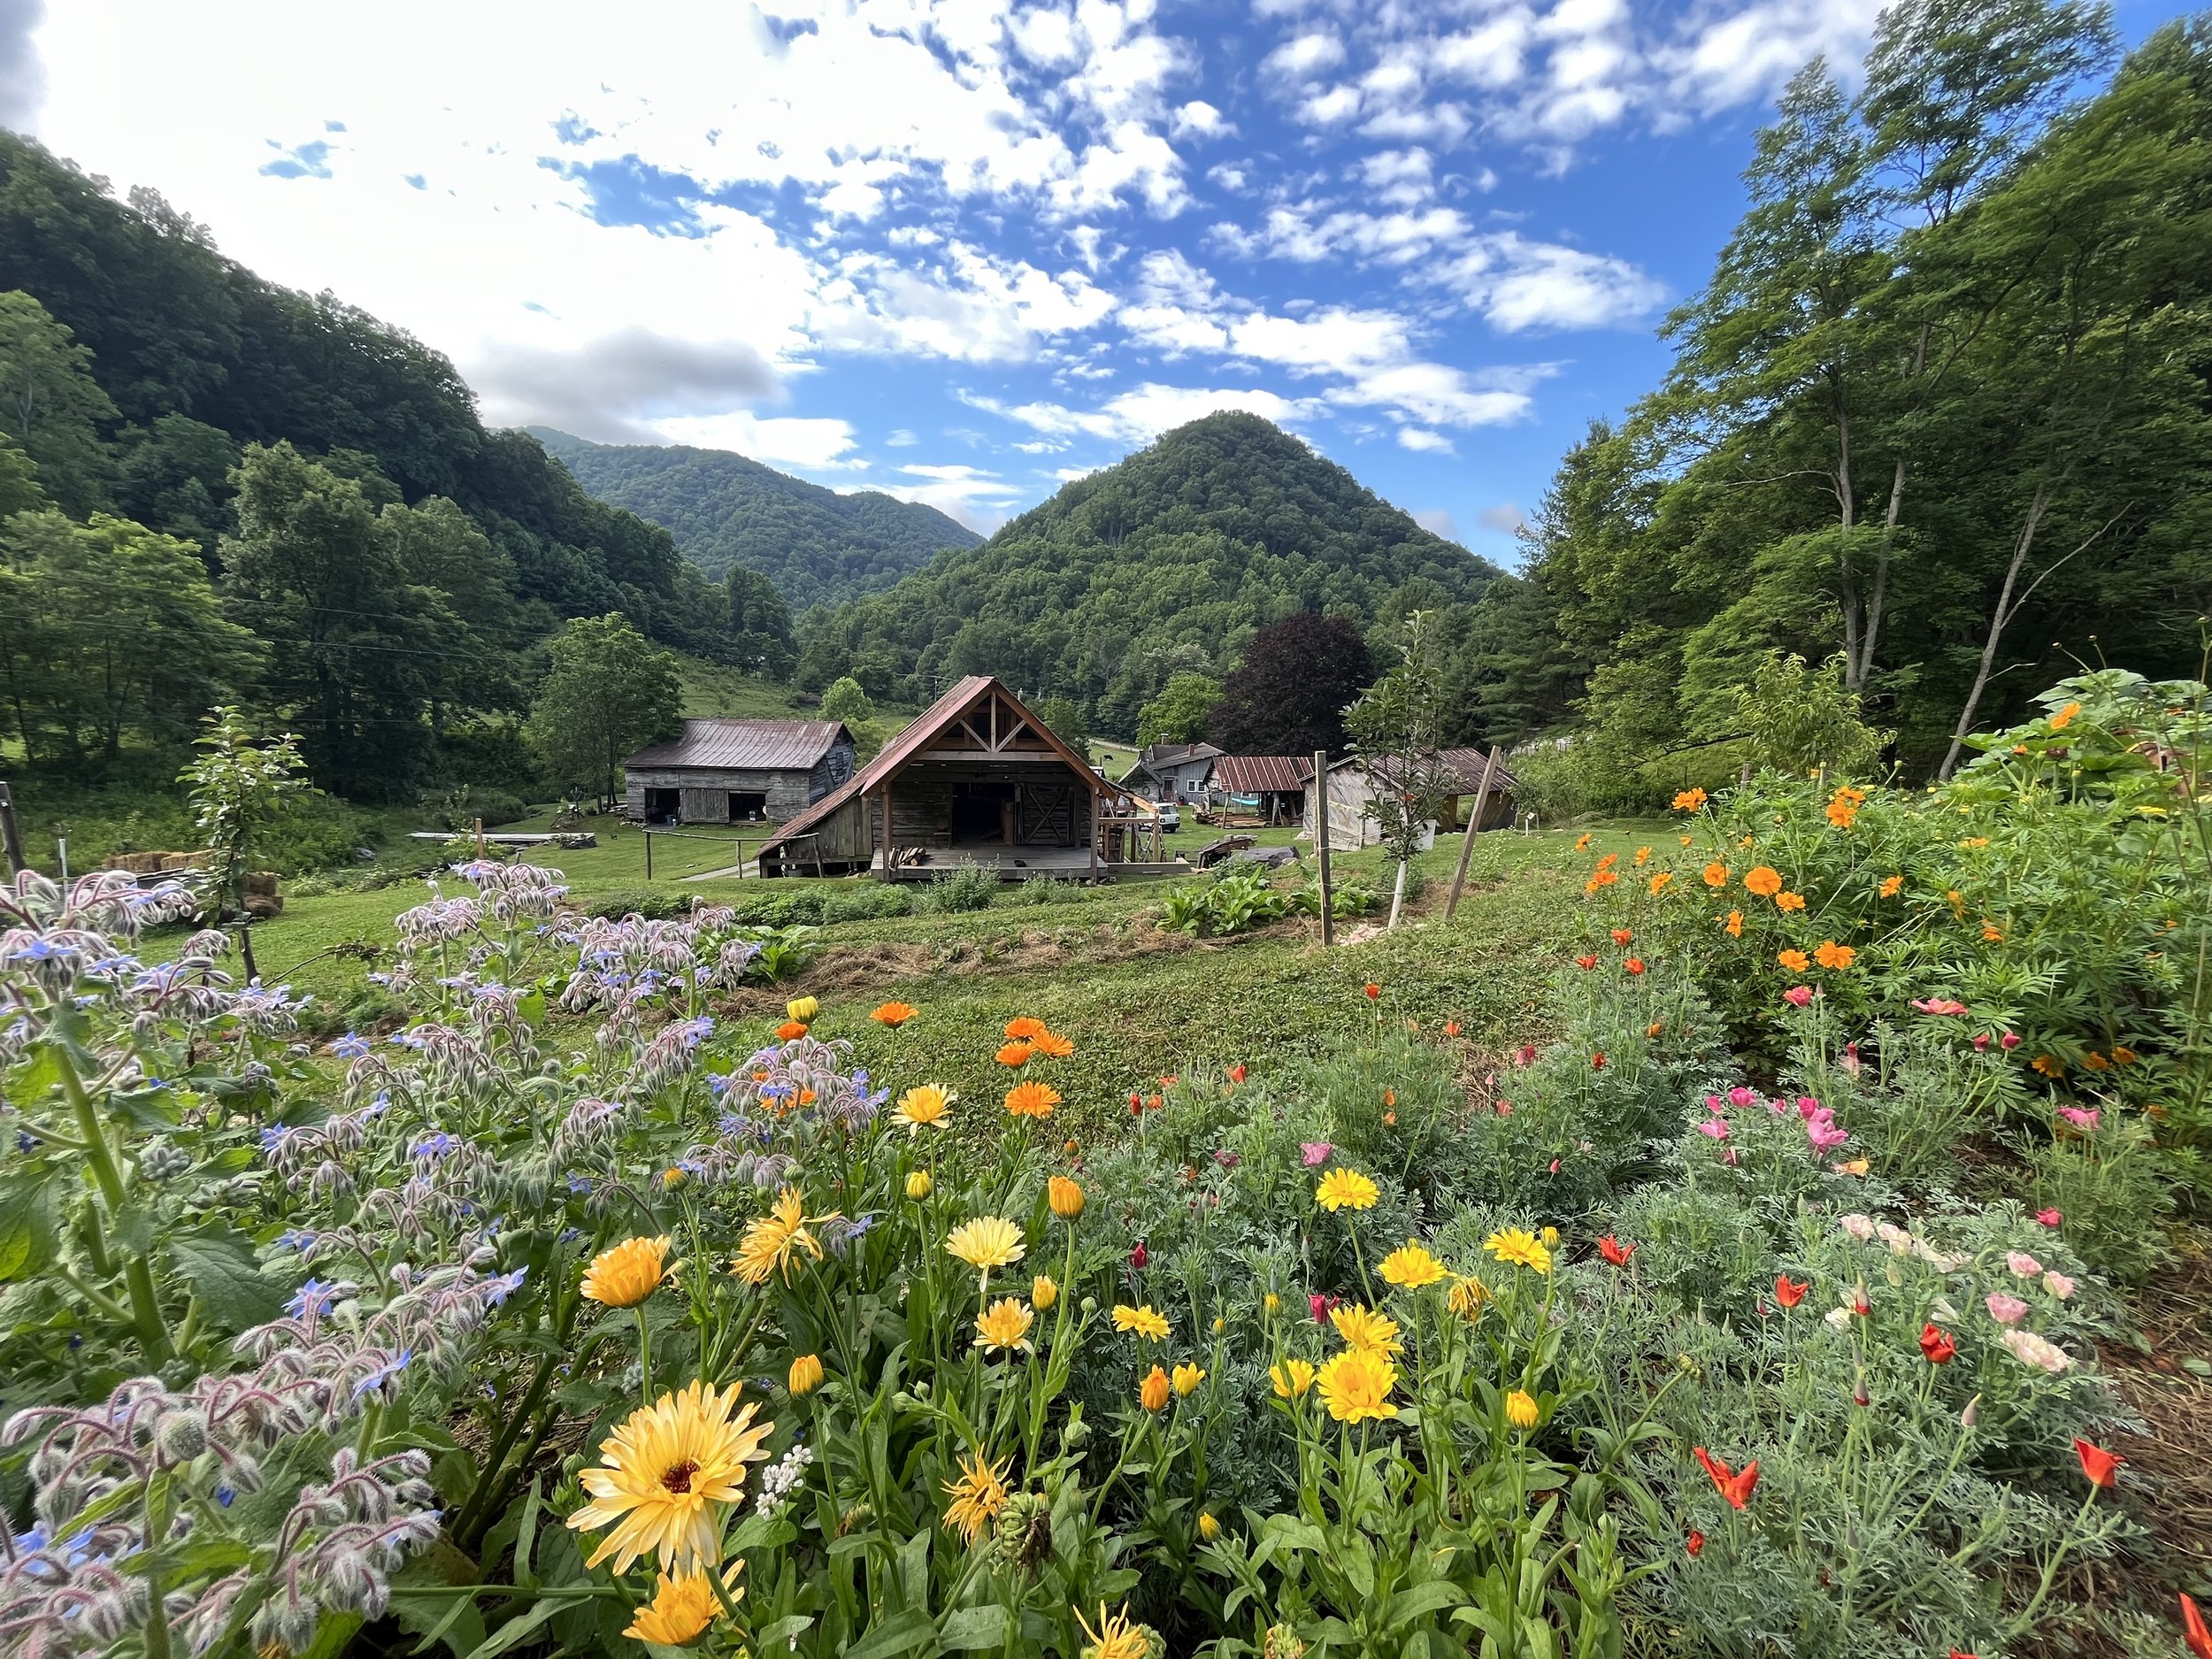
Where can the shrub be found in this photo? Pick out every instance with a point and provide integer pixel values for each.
(867, 901)
(968, 887)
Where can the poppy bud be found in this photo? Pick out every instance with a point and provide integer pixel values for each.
(1140, 1258)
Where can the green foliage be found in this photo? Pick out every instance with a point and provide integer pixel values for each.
(606, 694)
(1181, 712)
(845, 701)
(1165, 562)
(240, 790)
(968, 887)
(760, 625)
(1802, 719)
(50, 406)
(1289, 694)
(1234, 900)
(1064, 718)
(728, 513)
(1396, 729)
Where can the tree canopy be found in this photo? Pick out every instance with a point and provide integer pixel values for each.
(608, 691)
(1289, 694)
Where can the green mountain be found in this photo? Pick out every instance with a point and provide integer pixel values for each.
(1168, 561)
(815, 544)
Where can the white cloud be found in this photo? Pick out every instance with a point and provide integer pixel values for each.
(1305, 55)
(1504, 517)
(818, 444)
(1199, 119)
(1436, 521)
(1424, 442)
(609, 389)
(978, 498)
(1141, 414)
(902, 439)
(1521, 285)
(971, 306)
(22, 77)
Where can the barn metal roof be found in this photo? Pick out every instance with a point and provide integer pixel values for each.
(1465, 764)
(1258, 774)
(753, 745)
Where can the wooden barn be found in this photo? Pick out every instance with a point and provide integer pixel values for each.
(1351, 787)
(1174, 772)
(738, 771)
(976, 780)
(1272, 788)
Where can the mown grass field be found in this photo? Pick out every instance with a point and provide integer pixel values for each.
(1153, 1002)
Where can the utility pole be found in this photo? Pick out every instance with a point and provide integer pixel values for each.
(1321, 842)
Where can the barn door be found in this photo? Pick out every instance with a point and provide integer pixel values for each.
(1044, 817)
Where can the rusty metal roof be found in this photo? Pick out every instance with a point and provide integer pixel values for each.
(753, 745)
(916, 737)
(1259, 774)
(1465, 765)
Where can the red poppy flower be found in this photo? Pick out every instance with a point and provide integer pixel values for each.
(1622, 936)
(1451, 1028)
(1373, 990)
(2101, 1466)
(1139, 1256)
(1634, 964)
(1735, 1485)
(1320, 1305)
(1940, 1349)
(1788, 1292)
(1614, 1251)
(1585, 962)
(1956, 1653)
(2194, 1634)
(1597, 1061)
(1696, 1542)
(1236, 1074)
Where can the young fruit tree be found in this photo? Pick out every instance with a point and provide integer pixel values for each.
(1394, 729)
(239, 790)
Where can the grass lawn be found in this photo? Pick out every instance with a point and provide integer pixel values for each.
(1144, 1001)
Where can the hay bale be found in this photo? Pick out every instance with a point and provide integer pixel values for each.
(137, 863)
(258, 884)
(262, 906)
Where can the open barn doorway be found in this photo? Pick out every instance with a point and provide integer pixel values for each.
(982, 814)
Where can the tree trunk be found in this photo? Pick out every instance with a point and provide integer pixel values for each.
(1857, 671)
(1398, 894)
(1997, 620)
(1846, 508)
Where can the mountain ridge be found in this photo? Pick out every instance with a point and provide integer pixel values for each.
(818, 545)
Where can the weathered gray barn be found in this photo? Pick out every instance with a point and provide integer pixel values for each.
(738, 771)
(976, 780)
(1352, 786)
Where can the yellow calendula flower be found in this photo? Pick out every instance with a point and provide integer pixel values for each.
(666, 1477)
(806, 1374)
(976, 1496)
(1145, 1321)
(1187, 1379)
(628, 1274)
(1345, 1189)
(1004, 1328)
(1066, 1196)
(1209, 1525)
(683, 1606)
(986, 1242)
(1116, 1637)
(1290, 1376)
(1271, 1304)
(1410, 1267)
(1469, 1294)
(1364, 1329)
(770, 1242)
(1520, 1409)
(923, 1106)
(803, 1008)
(1550, 1237)
(919, 1184)
(1043, 1292)
(1356, 1385)
(1515, 1245)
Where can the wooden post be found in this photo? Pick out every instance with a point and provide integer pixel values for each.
(649, 855)
(1474, 823)
(480, 840)
(11, 837)
(1321, 843)
(1094, 794)
(890, 840)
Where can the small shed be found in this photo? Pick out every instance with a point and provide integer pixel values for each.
(1173, 772)
(976, 780)
(1273, 788)
(1353, 785)
(738, 771)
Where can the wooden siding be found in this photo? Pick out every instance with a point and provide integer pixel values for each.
(703, 792)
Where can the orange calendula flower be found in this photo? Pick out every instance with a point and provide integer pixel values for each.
(1052, 1045)
(1892, 886)
(1065, 1197)
(1023, 1028)
(1032, 1099)
(894, 1014)
(791, 1030)
(1763, 880)
(1789, 901)
(1831, 955)
(1795, 961)
(976, 1496)
(1013, 1054)
(1152, 1392)
(1716, 875)
(1689, 800)
(1734, 924)
(628, 1273)
(1582, 845)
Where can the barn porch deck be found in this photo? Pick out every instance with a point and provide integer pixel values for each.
(1018, 864)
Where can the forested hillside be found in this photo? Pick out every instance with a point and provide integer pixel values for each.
(814, 544)
(1167, 562)
(213, 488)
(1940, 419)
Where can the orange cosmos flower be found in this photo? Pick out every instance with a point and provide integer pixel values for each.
(1892, 886)
(1582, 845)
(894, 1014)
(1689, 800)
(1789, 901)
(1642, 854)
(2065, 717)
(1831, 955)
(1990, 931)
(1763, 880)
(1603, 878)
(1032, 1099)
(1716, 875)
(2048, 1066)
(1659, 882)
(1013, 1054)
(1735, 924)
(1795, 961)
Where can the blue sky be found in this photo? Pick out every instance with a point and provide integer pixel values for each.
(963, 251)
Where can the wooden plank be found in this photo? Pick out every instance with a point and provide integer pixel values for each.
(1474, 825)
(1321, 843)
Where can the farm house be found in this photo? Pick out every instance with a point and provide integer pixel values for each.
(738, 771)
(976, 780)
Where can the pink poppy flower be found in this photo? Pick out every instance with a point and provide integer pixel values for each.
(2005, 1310)
(2081, 1118)
(1807, 1106)
(1798, 996)
(1713, 1127)
(1820, 1131)
(2031, 1349)
(1320, 1305)
(1938, 1005)
(2058, 1284)
(1315, 1153)
(2023, 1265)
(1728, 1157)
(2008, 1041)
(1505, 1109)
(1526, 1054)
(1851, 1059)
(1740, 1097)
(1981, 1042)
(2049, 1218)
(1712, 1103)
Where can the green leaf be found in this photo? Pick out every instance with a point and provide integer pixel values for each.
(972, 1627)
(30, 1221)
(902, 1633)
(218, 1264)
(1421, 1601)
